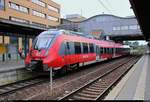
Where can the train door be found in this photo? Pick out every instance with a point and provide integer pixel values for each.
(97, 52)
(114, 52)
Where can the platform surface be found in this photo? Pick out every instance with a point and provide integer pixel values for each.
(11, 65)
(136, 83)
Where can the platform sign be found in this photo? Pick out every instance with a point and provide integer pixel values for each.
(96, 33)
(2, 49)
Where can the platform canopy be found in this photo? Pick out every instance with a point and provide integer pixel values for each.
(20, 28)
(141, 9)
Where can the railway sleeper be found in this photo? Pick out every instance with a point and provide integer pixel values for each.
(94, 87)
(2, 90)
(87, 95)
(104, 85)
(75, 97)
(16, 86)
(9, 88)
(24, 83)
(91, 92)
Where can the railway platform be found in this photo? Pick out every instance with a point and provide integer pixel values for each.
(135, 85)
(11, 65)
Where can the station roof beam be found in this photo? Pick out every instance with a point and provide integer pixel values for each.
(141, 10)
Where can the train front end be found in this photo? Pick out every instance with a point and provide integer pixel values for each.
(36, 59)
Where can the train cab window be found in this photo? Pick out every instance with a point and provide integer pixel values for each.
(85, 48)
(91, 48)
(77, 46)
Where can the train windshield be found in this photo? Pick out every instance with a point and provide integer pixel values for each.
(43, 41)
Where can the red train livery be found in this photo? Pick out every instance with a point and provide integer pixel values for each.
(64, 50)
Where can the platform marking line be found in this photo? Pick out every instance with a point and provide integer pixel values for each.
(117, 89)
(140, 89)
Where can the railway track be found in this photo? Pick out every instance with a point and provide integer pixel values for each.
(97, 88)
(13, 87)
(67, 82)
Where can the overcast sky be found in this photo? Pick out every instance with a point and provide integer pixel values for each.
(90, 8)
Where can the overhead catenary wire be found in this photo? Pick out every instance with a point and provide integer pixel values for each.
(104, 6)
(107, 1)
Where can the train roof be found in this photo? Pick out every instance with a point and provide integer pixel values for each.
(77, 36)
(69, 32)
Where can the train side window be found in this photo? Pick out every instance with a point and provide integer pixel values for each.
(97, 49)
(108, 50)
(62, 49)
(94, 48)
(101, 50)
(68, 46)
(72, 48)
(116, 50)
(77, 46)
(91, 48)
(85, 48)
(105, 50)
(111, 50)
(67, 49)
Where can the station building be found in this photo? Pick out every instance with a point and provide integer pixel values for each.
(104, 25)
(21, 21)
(114, 26)
(75, 17)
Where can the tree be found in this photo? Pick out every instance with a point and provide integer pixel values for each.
(135, 44)
(127, 43)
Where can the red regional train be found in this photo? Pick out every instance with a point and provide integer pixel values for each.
(64, 50)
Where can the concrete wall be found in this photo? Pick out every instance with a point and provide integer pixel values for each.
(14, 75)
